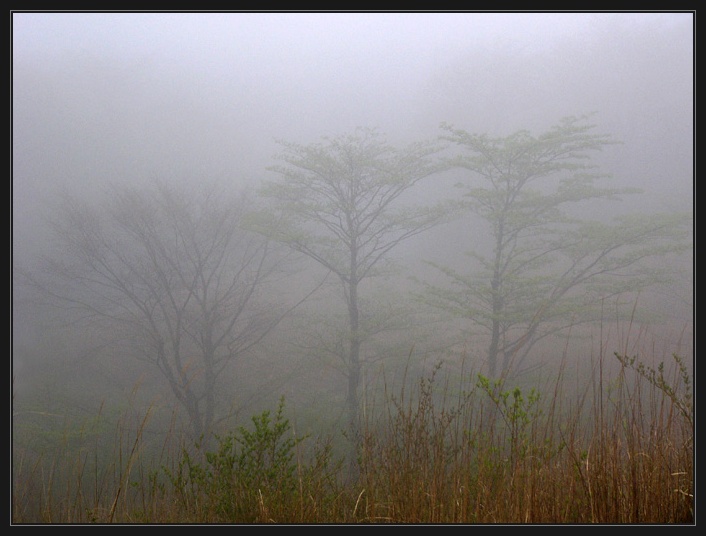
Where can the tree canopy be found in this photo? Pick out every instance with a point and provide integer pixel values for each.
(341, 202)
(548, 267)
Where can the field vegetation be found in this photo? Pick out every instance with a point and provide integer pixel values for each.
(611, 445)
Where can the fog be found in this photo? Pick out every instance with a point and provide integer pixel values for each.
(189, 98)
(130, 96)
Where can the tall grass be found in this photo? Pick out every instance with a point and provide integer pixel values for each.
(469, 449)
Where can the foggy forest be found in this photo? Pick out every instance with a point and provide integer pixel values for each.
(352, 267)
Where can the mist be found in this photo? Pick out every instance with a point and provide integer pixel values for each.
(128, 96)
(189, 100)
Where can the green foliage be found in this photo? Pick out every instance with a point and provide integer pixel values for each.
(246, 465)
(344, 197)
(518, 412)
(679, 391)
(249, 470)
(549, 268)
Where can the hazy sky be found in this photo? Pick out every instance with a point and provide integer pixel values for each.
(127, 96)
(317, 50)
(188, 38)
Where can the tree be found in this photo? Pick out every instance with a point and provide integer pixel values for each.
(548, 269)
(173, 275)
(340, 202)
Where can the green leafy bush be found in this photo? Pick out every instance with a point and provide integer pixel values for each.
(248, 469)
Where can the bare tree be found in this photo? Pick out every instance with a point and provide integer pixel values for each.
(172, 274)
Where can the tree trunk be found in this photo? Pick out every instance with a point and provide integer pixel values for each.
(353, 380)
(497, 302)
(353, 366)
(497, 305)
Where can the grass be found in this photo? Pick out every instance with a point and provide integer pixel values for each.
(438, 450)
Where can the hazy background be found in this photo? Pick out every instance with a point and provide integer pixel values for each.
(130, 96)
(106, 97)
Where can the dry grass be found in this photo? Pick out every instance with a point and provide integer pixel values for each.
(475, 451)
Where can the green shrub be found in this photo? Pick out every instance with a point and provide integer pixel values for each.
(247, 467)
